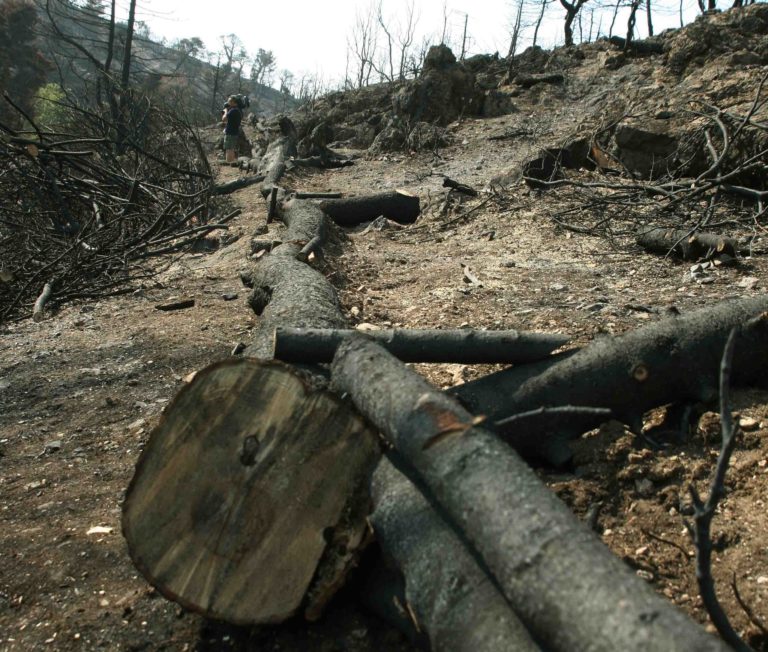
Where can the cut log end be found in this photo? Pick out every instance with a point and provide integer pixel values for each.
(240, 489)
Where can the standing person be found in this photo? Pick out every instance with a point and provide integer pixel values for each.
(233, 116)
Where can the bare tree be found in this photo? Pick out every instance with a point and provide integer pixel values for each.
(633, 7)
(514, 36)
(464, 38)
(539, 20)
(571, 12)
(615, 14)
(406, 35)
(649, 17)
(362, 45)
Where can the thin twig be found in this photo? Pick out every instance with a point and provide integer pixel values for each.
(705, 511)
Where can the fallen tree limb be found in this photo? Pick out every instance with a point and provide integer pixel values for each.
(321, 162)
(318, 195)
(459, 187)
(671, 361)
(274, 162)
(704, 511)
(449, 595)
(237, 184)
(687, 245)
(526, 81)
(466, 346)
(397, 205)
(565, 585)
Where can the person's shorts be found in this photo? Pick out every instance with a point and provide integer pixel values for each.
(230, 141)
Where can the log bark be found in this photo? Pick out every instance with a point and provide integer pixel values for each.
(459, 187)
(447, 592)
(318, 195)
(463, 346)
(675, 360)
(526, 81)
(279, 151)
(295, 294)
(323, 162)
(236, 498)
(397, 206)
(288, 292)
(682, 244)
(237, 184)
(565, 585)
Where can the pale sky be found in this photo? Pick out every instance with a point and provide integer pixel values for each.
(310, 36)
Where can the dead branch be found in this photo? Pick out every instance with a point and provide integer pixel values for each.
(459, 187)
(673, 360)
(466, 346)
(704, 512)
(86, 211)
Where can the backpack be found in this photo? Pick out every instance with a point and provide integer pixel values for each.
(243, 101)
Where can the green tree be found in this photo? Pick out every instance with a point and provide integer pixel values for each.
(49, 112)
(262, 66)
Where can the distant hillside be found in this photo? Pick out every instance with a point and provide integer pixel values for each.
(199, 87)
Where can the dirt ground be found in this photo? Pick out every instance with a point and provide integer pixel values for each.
(81, 391)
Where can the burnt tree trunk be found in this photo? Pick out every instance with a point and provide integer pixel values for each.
(672, 361)
(686, 246)
(248, 494)
(464, 346)
(446, 591)
(237, 184)
(274, 162)
(397, 206)
(570, 591)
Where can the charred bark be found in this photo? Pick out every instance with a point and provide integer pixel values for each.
(429, 345)
(447, 592)
(675, 360)
(459, 187)
(237, 184)
(274, 162)
(687, 246)
(397, 206)
(570, 591)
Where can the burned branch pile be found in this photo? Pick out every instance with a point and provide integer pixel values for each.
(81, 211)
(694, 178)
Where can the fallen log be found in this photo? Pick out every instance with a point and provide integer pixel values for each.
(674, 360)
(446, 591)
(459, 187)
(685, 245)
(318, 195)
(565, 585)
(527, 81)
(183, 304)
(465, 346)
(288, 292)
(250, 482)
(323, 162)
(294, 292)
(237, 184)
(274, 162)
(396, 205)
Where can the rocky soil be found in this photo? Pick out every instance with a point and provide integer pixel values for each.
(81, 391)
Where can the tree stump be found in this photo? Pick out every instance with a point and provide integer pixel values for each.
(249, 484)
